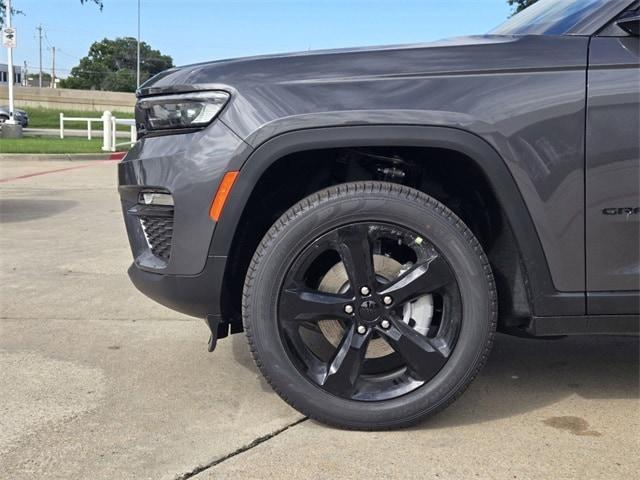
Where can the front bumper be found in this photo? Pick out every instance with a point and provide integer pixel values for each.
(181, 275)
(196, 295)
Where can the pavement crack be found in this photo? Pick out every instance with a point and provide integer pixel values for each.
(244, 448)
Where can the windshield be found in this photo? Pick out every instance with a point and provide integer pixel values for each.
(549, 17)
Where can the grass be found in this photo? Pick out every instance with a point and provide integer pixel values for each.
(50, 145)
(50, 118)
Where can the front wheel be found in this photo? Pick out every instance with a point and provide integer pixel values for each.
(369, 305)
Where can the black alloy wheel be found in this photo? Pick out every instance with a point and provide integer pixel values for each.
(369, 306)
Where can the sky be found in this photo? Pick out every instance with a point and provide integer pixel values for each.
(199, 30)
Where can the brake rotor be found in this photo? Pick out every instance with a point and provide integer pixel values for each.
(418, 314)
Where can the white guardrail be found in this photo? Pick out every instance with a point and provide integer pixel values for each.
(109, 129)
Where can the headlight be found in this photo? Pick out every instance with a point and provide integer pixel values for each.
(187, 110)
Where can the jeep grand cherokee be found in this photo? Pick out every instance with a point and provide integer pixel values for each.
(369, 217)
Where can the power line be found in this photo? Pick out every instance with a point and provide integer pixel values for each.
(46, 39)
(70, 55)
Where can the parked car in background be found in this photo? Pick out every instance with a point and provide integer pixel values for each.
(370, 216)
(20, 116)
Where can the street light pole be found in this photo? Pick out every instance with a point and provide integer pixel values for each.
(11, 120)
(138, 63)
(10, 128)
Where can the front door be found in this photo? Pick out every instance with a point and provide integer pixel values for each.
(613, 174)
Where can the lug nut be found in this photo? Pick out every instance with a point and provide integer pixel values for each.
(365, 291)
(385, 324)
(348, 309)
(362, 329)
(387, 300)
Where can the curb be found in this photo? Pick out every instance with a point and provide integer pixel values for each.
(63, 156)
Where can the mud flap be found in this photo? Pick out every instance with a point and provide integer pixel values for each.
(218, 328)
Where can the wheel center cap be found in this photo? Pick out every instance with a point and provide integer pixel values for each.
(369, 311)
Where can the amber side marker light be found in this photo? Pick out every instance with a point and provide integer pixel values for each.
(221, 195)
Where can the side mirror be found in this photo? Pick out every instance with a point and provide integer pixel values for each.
(630, 23)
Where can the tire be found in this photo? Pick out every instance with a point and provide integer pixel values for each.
(353, 388)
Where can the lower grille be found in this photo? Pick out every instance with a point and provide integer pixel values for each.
(159, 232)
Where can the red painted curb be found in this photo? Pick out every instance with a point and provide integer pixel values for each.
(117, 156)
(46, 172)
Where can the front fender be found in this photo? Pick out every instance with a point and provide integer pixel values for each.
(546, 300)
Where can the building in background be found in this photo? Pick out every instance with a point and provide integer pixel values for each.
(4, 75)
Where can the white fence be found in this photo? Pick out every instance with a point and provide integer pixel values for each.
(121, 121)
(109, 129)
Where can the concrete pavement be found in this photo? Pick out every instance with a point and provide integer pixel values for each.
(564, 409)
(99, 382)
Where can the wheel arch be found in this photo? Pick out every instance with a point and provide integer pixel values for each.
(542, 297)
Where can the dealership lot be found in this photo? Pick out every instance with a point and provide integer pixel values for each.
(99, 382)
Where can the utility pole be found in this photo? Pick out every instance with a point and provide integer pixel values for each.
(25, 82)
(53, 67)
(39, 28)
(138, 63)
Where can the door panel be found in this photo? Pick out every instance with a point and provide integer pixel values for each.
(613, 169)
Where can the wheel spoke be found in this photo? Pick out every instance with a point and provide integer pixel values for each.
(354, 249)
(424, 356)
(421, 279)
(300, 304)
(312, 364)
(343, 370)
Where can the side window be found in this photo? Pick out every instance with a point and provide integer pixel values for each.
(632, 17)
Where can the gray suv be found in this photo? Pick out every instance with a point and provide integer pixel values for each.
(370, 217)
(20, 116)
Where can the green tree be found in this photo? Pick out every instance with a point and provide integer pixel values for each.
(111, 65)
(520, 4)
(15, 11)
(34, 74)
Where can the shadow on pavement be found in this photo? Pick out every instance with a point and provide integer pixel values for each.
(22, 210)
(241, 354)
(526, 374)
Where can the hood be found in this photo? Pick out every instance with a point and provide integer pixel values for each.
(444, 56)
